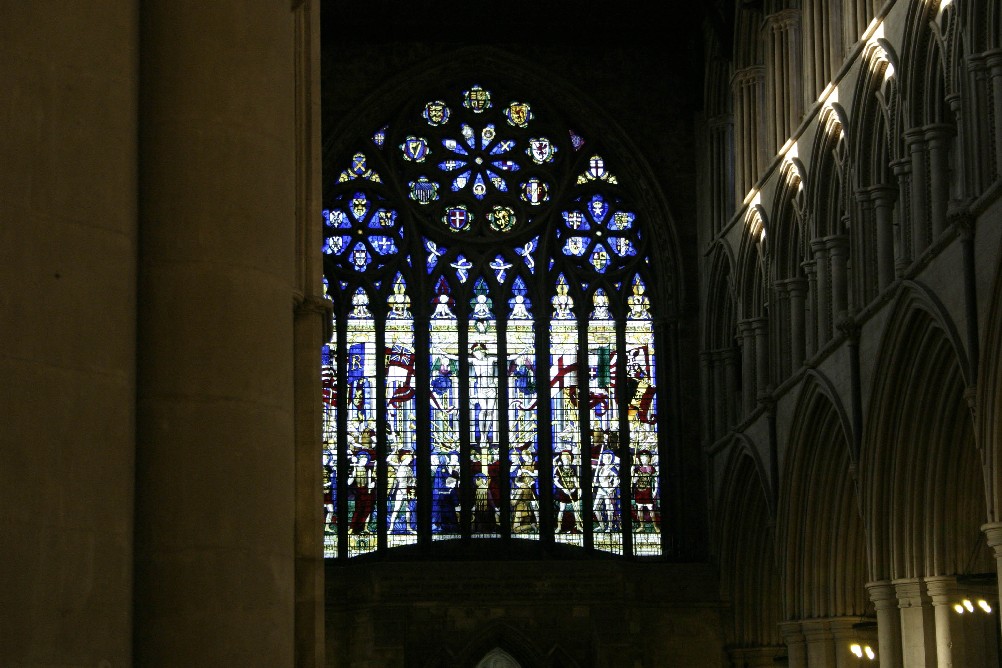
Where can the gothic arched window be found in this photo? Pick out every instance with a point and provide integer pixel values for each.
(493, 371)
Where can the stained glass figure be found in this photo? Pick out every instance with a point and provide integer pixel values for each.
(566, 425)
(444, 419)
(363, 437)
(401, 418)
(522, 414)
(603, 423)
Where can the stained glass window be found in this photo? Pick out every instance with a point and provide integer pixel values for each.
(493, 369)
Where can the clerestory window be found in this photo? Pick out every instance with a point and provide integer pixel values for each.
(494, 368)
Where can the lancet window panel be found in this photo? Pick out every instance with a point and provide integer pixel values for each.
(493, 369)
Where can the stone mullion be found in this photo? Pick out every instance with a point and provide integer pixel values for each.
(762, 385)
(784, 90)
(781, 351)
(721, 174)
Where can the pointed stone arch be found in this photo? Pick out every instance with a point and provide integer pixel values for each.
(745, 539)
(919, 463)
(820, 527)
(720, 355)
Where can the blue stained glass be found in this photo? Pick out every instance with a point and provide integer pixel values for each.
(519, 303)
(382, 244)
(576, 141)
(503, 146)
(454, 146)
(384, 218)
(379, 137)
(500, 267)
(506, 165)
(622, 246)
(444, 303)
(460, 181)
(360, 257)
(576, 220)
(600, 258)
(469, 135)
(487, 136)
(450, 165)
(526, 251)
(334, 245)
(479, 187)
(436, 113)
(359, 206)
(598, 208)
(576, 246)
(497, 181)
(434, 254)
(462, 267)
(622, 220)
(337, 219)
(477, 99)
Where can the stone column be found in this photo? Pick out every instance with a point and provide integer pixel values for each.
(883, 210)
(920, 218)
(796, 644)
(820, 643)
(824, 313)
(993, 536)
(811, 310)
(918, 623)
(950, 649)
(903, 239)
(843, 636)
(746, 331)
(730, 386)
(993, 59)
(721, 167)
(937, 139)
(838, 252)
(761, 327)
(711, 393)
(885, 601)
(68, 235)
(215, 471)
(797, 287)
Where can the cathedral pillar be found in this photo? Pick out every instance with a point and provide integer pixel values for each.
(903, 238)
(918, 152)
(746, 333)
(838, 252)
(68, 232)
(823, 300)
(811, 321)
(797, 287)
(844, 634)
(820, 643)
(937, 139)
(215, 469)
(993, 536)
(918, 623)
(993, 59)
(796, 643)
(883, 198)
(761, 327)
(730, 386)
(885, 602)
